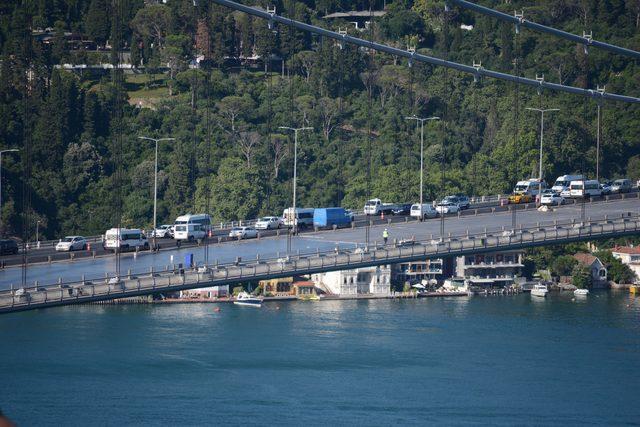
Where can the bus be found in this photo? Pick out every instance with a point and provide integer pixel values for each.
(192, 227)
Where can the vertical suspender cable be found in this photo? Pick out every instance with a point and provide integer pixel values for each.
(26, 135)
(445, 120)
(369, 119)
(516, 122)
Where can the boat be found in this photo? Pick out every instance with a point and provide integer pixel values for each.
(309, 297)
(539, 290)
(244, 298)
(581, 292)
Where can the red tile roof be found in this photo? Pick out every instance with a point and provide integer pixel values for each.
(586, 259)
(627, 250)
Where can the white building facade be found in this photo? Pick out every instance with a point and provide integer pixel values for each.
(367, 280)
(629, 256)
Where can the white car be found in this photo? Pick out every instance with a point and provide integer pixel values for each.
(551, 198)
(163, 232)
(446, 207)
(243, 233)
(269, 223)
(71, 243)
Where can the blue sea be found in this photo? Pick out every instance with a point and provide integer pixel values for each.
(508, 360)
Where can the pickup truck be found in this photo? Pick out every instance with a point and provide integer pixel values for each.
(376, 207)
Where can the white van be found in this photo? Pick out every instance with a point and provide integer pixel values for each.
(192, 227)
(304, 217)
(563, 182)
(123, 239)
(588, 188)
(427, 211)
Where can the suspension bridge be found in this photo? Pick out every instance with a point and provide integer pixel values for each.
(207, 274)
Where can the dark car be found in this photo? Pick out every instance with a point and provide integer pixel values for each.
(8, 247)
(402, 209)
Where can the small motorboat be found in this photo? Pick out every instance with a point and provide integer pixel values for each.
(244, 298)
(581, 292)
(539, 290)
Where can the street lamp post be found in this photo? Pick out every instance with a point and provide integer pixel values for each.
(295, 171)
(1, 152)
(155, 182)
(541, 111)
(421, 120)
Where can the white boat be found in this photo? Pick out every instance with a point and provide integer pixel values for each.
(244, 298)
(539, 290)
(581, 292)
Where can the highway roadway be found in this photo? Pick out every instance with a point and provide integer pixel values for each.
(309, 242)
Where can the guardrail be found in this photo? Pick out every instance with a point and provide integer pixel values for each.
(222, 274)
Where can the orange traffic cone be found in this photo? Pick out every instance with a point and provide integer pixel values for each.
(382, 215)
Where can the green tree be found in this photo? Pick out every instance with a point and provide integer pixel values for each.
(563, 265)
(97, 21)
(581, 276)
(238, 191)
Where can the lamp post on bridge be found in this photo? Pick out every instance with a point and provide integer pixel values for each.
(541, 111)
(295, 176)
(421, 120)
(155, 182)
(11, 150)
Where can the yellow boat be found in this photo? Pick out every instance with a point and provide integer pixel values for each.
(311, 297)
(634, 289)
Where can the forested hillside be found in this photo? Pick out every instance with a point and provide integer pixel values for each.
(225, 113)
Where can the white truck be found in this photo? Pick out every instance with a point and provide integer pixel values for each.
(376, 207)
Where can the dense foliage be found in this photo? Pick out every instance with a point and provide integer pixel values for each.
(229, 153)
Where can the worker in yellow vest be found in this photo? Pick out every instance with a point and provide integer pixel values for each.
(385, 235)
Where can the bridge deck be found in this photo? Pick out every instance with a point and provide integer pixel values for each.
(206, 276)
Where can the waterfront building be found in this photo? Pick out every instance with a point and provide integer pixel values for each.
(630, 256)
(374, 280)
(277, 287)
(417, 271)
(206, 293)
(494, 269)
(303, 288)
(596, 268)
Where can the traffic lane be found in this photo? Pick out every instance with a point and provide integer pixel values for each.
(143, 261)
(309, 242)
(476, 224)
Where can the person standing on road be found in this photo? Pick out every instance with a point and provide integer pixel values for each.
(385, 235)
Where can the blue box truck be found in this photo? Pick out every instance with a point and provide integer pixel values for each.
(330, 217)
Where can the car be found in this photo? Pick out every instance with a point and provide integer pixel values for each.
(269, 223)
(606, 188)
(403, 209)
(463, 201)
(71, 243)
(447, 207)
(621, 186)
(163, 232)
(551, 198)
(243, 233)
(8, 247)
(518, 198)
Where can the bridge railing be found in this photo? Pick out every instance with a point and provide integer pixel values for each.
(212, 275)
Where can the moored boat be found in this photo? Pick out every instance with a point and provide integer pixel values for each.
(539, 290)
(244, 298)
(581, 292)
